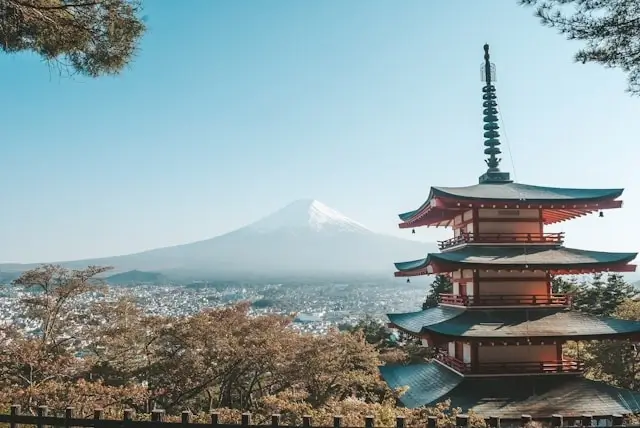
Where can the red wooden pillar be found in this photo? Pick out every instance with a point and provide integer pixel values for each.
(559, 351)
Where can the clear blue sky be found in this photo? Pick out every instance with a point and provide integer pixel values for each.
(233, 109)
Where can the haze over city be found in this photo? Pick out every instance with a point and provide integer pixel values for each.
(229, 113)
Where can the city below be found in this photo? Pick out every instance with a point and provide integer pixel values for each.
(318, 306)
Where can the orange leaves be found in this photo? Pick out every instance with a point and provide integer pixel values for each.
(224, 358)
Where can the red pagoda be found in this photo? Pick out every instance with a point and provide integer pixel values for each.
(500, 334)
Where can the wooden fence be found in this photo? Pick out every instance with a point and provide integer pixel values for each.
(43, 420)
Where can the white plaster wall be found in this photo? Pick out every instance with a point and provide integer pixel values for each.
(452, 349)
(463, 273)
(469, 288)
(466, 353)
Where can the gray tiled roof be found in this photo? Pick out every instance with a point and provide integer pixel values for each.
(510, 397)
(518, 256)
(517, 192)
(509, 323)
(427, 382)
(416, 321)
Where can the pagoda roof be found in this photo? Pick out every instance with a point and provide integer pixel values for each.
(560, 203)
(497, 324)
(509, 398)
(553, 258)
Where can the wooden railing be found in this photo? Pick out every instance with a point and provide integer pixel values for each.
(502, 238)
(159, 420)
(452, 362)
(564, 366)
(521, 367)
(507, 300)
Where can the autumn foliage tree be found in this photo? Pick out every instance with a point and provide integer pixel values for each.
(43, 366)
(113, 355)
(89, 37)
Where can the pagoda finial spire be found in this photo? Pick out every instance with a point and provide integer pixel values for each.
(491, 127)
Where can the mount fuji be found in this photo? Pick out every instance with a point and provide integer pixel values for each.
(305, 238)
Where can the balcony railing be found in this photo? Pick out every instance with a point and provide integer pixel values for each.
(521, 367)
(507, 300)
(452, 362)
(502, 238)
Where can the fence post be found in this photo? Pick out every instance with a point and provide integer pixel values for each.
(186, 417)
(42, 413)
(368, 422)
(400, 422)
(587, 420)
(306, 421)
(127, 415)
(215, 418)
(98, 414)
(337, 421)
(617, 420)
(556, 421)
(275, 420)
(432, 421)
(462, 420)
(246, 419)
(68, 414)
(494, 421)
(157, 415)
(525, 419)
(15, 411)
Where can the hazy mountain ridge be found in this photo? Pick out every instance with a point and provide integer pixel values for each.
(137, 277)
(305, 238)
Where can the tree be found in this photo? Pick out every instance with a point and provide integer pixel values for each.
(560, 285)
(442, 284)
(609, 28)
(43, 367)
(52, 301)
(113, 355)
(374, 331)
(617, 362)
(89, 37)
(601, 296)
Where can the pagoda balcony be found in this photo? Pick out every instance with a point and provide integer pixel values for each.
(502, 238)
(566, 365)
(491, 300)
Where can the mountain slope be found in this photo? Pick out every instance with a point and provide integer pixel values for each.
(305, 237)
(136, 277)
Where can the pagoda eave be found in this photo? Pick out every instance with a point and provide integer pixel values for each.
(441, 339)
(444, 323)
(438, 339)
(539, 396)
(555, 259)
(440, 212)
(440, 268)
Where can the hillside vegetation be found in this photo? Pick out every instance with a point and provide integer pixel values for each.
(114, 356)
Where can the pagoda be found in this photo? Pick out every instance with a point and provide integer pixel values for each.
(500, 333)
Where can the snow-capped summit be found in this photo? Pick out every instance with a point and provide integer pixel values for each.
(307, 214)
